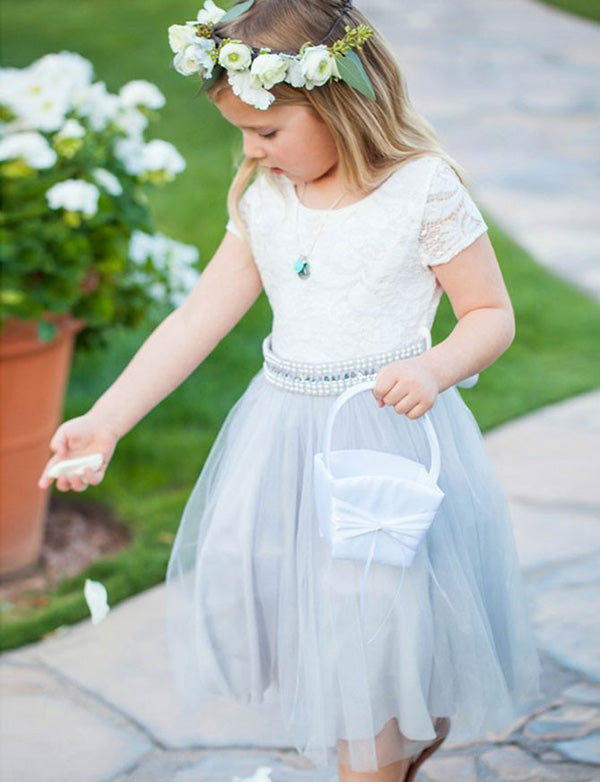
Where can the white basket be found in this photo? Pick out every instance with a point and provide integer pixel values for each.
(373, 505)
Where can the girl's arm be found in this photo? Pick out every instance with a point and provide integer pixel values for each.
(486, 322)
(485, 329)
(227, 288)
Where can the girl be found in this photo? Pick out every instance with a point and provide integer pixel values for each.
(354, 220)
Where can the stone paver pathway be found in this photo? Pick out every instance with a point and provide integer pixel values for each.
(511, 86)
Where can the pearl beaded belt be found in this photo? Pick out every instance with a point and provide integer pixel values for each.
(335, 376)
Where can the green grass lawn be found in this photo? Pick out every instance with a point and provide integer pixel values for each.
(148, 482)
(589, 9)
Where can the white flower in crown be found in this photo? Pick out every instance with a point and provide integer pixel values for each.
(180, 36)
(248, 88)
(251, 77)
(196, 57)
(318, 65)
(270, 69)
(210, 13)
(294, 75)
(235, 56)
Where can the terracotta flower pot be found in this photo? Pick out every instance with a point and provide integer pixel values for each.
(33, 381)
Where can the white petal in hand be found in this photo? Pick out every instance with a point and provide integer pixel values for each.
(76, 466)
(96, 598)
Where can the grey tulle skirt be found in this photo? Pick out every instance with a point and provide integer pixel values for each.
(255, 601)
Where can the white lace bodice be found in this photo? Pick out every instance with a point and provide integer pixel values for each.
(370, 289)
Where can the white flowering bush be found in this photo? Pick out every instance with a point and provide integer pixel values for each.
(76, 233)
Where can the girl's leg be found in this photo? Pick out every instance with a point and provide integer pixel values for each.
(395, 772)
(387, 743)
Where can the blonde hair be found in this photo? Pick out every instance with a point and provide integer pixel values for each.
(373, 137)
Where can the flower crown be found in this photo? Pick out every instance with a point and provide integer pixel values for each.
(253, 72)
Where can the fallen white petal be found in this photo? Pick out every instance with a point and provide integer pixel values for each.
(262, 774)
(97, 599)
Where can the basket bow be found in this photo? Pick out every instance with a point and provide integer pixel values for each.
(349, 521)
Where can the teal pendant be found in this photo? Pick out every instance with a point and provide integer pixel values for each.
(302, 268)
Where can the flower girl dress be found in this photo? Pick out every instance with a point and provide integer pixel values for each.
(258, 609)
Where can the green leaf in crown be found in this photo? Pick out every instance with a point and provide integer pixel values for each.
(353, 73)
(236, 11)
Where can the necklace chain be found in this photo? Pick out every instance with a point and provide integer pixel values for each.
(302, 266)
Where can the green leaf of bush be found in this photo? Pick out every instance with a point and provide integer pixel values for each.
(46, 331)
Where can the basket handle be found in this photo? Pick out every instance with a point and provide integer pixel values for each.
(366, 385)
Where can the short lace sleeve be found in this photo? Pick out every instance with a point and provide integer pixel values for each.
(451, 220)
(245, 206)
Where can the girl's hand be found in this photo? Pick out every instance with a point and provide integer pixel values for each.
(408, 386)
(79, 437)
